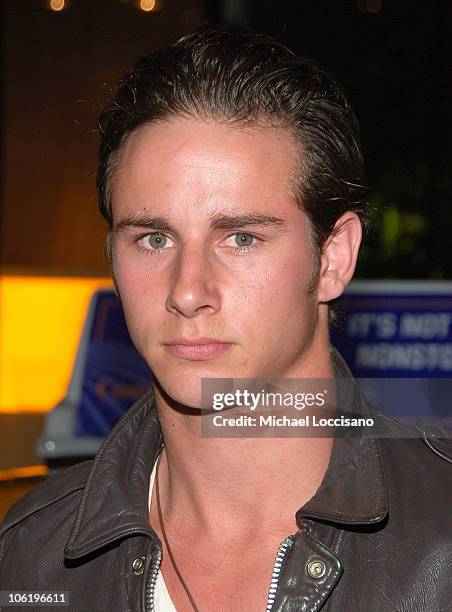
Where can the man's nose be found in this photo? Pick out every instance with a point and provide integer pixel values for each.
(193, 289)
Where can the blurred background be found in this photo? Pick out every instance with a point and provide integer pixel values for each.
(60, 61)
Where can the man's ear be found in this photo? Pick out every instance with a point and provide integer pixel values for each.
(339, 255)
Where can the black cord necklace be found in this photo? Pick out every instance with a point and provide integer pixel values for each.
(165, 539)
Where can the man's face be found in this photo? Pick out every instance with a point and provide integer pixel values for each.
(212, 257)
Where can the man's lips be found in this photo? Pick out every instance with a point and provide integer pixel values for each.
(198, 349)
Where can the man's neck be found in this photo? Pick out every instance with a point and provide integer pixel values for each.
(246, 485)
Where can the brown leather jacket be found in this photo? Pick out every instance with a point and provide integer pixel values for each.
(375, 537)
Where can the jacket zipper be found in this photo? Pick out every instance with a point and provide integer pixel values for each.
(276, 573)
(280, 557)
(152, 578)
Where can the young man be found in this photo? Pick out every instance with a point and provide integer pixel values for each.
(231, 178)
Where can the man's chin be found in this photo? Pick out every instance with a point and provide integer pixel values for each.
(181, 398)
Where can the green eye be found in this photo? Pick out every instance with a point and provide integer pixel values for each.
(157, 240)
(244, 240)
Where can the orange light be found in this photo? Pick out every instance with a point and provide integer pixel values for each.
(57, 5)
(41, 320)
(147, 5)
(30, 471)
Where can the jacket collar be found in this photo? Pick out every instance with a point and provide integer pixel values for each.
(353, 490)
(115, 498)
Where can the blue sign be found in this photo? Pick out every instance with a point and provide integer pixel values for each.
(397, 329)
(115, 375)
(396, 337)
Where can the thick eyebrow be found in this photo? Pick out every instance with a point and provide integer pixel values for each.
(221, 221)
(217, 221)
(156, 223)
